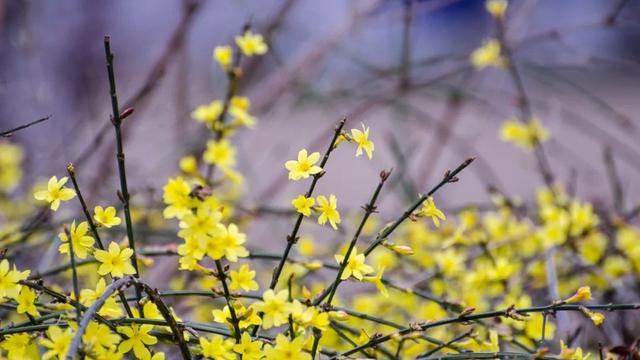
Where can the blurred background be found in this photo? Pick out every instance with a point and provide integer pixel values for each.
(400, 67)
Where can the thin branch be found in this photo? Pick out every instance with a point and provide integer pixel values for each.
(10, 132)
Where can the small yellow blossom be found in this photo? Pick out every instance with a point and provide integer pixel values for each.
(525, 135)
(597, 318)
(16, 345)
(208, 114)
(377, 280)
(355, 267)
(497, 8)
(26, 302)
(286, 349)
(9, 280)
(57, 342)
(217, 348)
(11, 173)
(227, 242)
(220, 153)
(106, 217)
(177, 197)
(429, 209)
(572, 354)
(243, 279)
(138, 338)
(248, 316)
(223, 55)
(189, 165)
(583, 294)
(248, 349)
(99, 337)
(362, 139)
(110, 309)
(328, 211)
(275, 307)
(304, 166)
(56, 192)
(489, 54)
(115, 261)
(303, 204)
(82, 243)
(251, 44)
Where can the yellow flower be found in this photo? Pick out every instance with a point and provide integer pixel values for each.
(56, 192)
(487, 55)
(227, 242)
(286, 349)
(248, 317)
(250, 350)
(217, 348)
(82, 243)
(220, 153)
(251, 44)
(110, 309)
(525, 135)
(57, 342)
(429, 209)
(239, 110)
(377, 280)
(304, 166)
(177, 197)
(362, 139)
(583, 294)
(137, 338)
(303, 204)
(243, 279)
(106, 217)
(201, 224)
(189, 165)
(223, 55)
(328, 211)
(275, 307)
(26, 302)
(115, 261)
(99, 337)
(9, 280)
(11, 157)
(355, 266)
(569, 353)
(496, 8)
(597, 318)
(208, 114)
(16, 345)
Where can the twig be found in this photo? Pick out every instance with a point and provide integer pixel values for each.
(72, 174)
(222, 276)
(369, 209)
(117, 123)
(9, 133)
(291, 239)
(487, 315)
(449, 176)
(169, 318)
(74, 273)
(614, 180)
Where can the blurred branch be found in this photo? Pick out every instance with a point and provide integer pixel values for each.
(8, 133)
(154, 78)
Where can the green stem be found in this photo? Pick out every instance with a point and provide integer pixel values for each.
(124, 191)
(222, 276)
